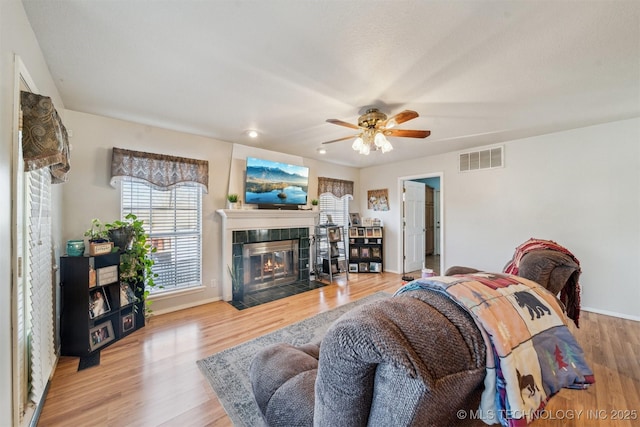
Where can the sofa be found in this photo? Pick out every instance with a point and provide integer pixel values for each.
(412, 359)
(415, 359)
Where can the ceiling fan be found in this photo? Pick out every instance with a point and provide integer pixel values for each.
(374, 127)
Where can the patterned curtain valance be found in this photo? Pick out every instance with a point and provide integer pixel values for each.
(337, 187)
(160, 171)
(45, 142)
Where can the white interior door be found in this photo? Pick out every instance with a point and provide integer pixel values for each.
(414, 228)
(436, 218)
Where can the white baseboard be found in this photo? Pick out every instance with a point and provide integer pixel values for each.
(611, 313)
(183, 306)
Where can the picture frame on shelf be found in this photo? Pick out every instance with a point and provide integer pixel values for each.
(353, 268)
(128, 322)
(329, 219)
(100, 335)
(365, 253)
(360, 232)
(354, 217)
(334, 234)
(353, 231)
(127, 296)
(369, 232)
(355, 252)
(375, 252)
(377, 231)
(98, 303)
(334, 252)
(363, 267)
(375, 267)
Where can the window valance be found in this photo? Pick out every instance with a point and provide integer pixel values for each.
(337, 187)
(45, 142)
(160, 171)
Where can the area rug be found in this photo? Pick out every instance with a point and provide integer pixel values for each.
(228, 371)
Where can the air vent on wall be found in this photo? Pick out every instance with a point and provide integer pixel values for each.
(483, 159)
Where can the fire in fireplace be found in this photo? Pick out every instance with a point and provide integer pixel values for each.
(268, 264)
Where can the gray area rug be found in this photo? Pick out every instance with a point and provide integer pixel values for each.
(228, 371)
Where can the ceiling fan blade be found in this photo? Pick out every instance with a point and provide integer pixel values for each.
(340, 139)
(341, 123)
(401, 117)
(407, 133)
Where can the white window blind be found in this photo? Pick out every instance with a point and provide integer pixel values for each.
(338, 208)
(39, 317)
(173, 219)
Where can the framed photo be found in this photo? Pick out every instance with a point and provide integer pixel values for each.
(98, 303)
(329, 219)
(128, 322)
(355, 253)
(353, 268)
(369, 232)
(363, 267)
(353, 231)
(375, 252)
(375, 267)
(360, 232)
(364, 253)
(377, 231)
(333, 250)
(335, 234)
(355, 218)
(100, 335)
(127, 296)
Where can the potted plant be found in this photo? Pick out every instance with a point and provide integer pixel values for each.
(98, 235)
(121, 233)
(135, 261)
(236, 283)
(98, 232)
(314, 204)
(232, 200)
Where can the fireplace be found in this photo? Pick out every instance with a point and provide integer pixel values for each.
(242, 228)
(268, 264)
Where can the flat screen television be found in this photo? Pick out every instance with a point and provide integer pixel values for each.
(274, 183)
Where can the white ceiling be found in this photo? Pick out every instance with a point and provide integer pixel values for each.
(477, 72)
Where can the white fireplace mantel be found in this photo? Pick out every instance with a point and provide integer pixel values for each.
(256, 219)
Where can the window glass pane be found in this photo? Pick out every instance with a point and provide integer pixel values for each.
(173, 220)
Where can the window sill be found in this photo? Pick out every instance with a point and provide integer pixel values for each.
(161, 295)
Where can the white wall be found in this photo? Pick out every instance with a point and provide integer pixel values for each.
(16, 37)
(580, 188)
(88, 194)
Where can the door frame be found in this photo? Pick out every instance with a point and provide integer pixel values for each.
(401, 180)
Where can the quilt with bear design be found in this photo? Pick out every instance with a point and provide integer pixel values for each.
(531, 353)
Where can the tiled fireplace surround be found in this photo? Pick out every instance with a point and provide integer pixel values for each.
(262, 225)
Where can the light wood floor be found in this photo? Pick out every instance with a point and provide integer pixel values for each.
(150, 378)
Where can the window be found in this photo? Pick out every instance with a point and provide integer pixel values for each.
(338, 208)
(173, 219)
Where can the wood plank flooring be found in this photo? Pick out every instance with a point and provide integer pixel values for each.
(150, 378)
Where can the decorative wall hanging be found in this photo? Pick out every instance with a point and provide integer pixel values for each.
(378, 200)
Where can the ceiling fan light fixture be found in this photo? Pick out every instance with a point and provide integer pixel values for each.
(357, 144)
(365, 149)
(386, 147)
(379, 139)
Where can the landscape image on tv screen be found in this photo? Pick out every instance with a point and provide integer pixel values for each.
(269, 182)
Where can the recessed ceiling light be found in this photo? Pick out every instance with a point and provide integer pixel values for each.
(252, 133)
(322, 150)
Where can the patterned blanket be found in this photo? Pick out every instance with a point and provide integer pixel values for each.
(570, 294)
(531, 354)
